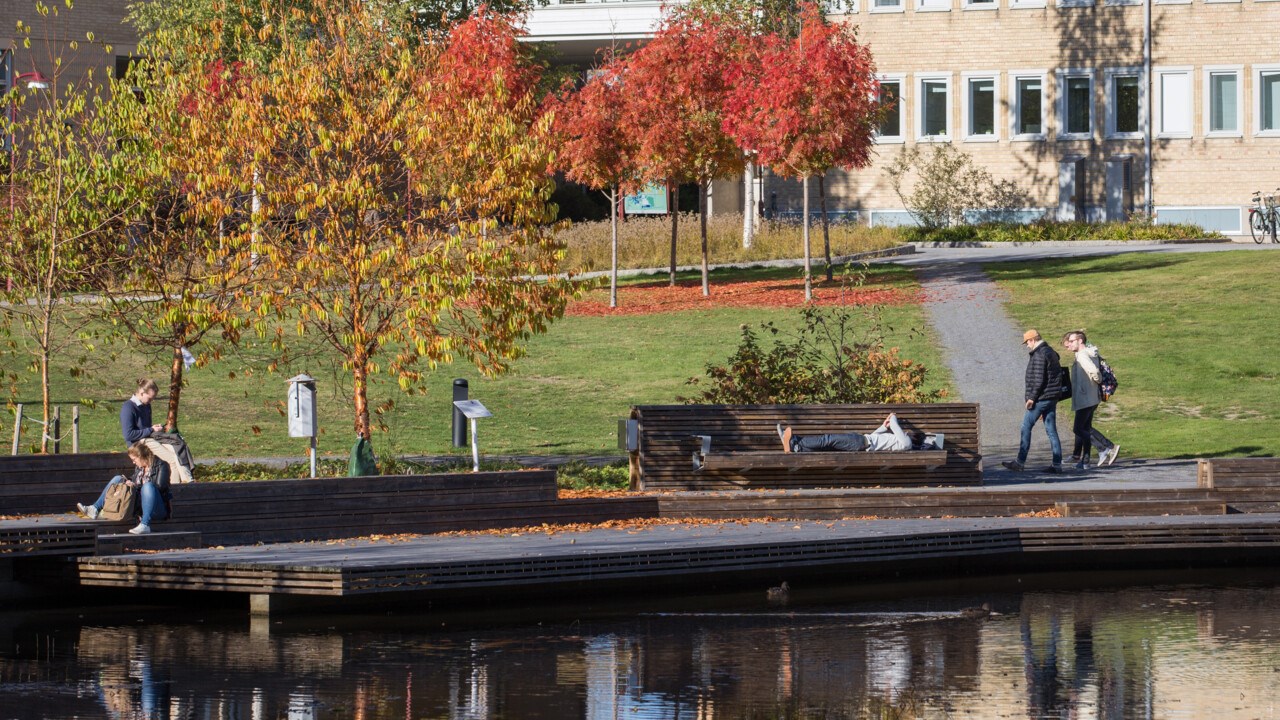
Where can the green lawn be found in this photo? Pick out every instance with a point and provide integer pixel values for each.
(563, 397)
(1192, 338)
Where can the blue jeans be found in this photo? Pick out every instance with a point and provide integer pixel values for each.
(838, 442)
(149, 498)
(1047, 409)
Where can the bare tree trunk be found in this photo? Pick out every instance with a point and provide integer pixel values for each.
(175, 389)
(613, 227)
(826, 224)
(675, 226)
(702, 218)
(44, 400)
(748, 202)
(808, 269)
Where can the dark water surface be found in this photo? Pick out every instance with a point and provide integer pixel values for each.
(1195, 647)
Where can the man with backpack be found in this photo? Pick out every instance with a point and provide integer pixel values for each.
(1043, 391)
(1087, 393)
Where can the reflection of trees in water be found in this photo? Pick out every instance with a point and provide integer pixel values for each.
(1058, 655)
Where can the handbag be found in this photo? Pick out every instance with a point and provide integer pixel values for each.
(121, 498)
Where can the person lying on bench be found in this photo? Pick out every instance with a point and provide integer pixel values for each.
(151, 477)
(889, 437)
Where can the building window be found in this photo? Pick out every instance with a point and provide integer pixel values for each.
(1074, 3)
(1075, 108)
(1026, 105)
(933, 5)
(886, 6)
(1173, 103)
(935, 107)
(979, 5)
(891, 101)
(1222, 101)
(980, 107)
(1026, 4)
(1124, 103)
(1267, 100)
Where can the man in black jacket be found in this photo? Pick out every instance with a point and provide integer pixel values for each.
(1042, 382)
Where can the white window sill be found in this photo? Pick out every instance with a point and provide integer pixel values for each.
(981, 138)
(981, 6)
(875, 10)
(1028, 138)
(1125, 136)
(1030, 5)
(1267, 133)
(1174, 136)
(933, 9)
(889, 140)
(1075, 136)
(947, 138)
(1224, 135)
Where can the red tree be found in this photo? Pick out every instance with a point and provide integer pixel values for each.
(809, 104)
(677, 85)
(596, 147)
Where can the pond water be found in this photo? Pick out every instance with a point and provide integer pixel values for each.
(1204, 646)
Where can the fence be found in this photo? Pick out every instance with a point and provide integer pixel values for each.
(52, 431)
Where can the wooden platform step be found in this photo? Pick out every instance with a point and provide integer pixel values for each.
(1134, 508)
(120, 543)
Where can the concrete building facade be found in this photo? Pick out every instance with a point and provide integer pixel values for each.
(1063, 97)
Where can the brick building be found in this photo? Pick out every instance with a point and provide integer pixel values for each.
(1059, 96)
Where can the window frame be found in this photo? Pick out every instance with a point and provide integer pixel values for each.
(1028, 4)
(921, 6)
(1258, 72)
(1111, 117)
(1073, 3)
(980, 5)
(920, 79)
(1208, 71)
(903, 117)
(1063, 76)
(1157, 105)
(899, 8)
(1015, 109)
(966, 107)
(843, 7)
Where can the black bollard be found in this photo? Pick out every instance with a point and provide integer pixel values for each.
(459, 420)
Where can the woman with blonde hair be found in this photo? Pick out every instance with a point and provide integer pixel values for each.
(151, 477)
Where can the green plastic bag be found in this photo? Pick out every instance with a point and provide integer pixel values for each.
(363, 462)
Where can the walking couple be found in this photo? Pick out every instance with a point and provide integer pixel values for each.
(1044, 391)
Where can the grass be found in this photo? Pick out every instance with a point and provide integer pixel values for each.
(645, 242)
(562, 398)
(1192, 339)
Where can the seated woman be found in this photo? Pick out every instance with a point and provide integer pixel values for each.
(889, 437)
(151, 477)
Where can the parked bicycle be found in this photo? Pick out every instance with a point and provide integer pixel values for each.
(1264, 217)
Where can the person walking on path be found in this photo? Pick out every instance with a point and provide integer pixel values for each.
(1042, 387)
(151, 477)
(1086, 396)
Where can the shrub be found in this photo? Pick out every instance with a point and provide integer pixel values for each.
(947, 184)
(579, 476)
(826, 361)
(1044, 230)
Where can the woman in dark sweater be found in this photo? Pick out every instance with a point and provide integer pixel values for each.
(135, 414)
(151, 477)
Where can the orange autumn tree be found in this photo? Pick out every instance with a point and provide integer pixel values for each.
(402, 196)
(677, 89)
(596, 149)
(806, 104)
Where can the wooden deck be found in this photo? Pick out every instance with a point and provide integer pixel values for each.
(690, 554)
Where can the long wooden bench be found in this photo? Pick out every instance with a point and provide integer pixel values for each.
(37, 484)
(716, 447)
(1238, 472)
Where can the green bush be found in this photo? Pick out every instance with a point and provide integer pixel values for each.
(826, 361)
(1133, 230)
(579, 476)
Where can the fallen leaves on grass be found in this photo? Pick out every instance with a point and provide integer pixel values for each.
(660, 297)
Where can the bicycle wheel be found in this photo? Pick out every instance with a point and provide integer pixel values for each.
(1258, 226)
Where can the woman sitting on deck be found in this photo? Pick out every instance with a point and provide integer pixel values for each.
(889, 437)
(152, 480)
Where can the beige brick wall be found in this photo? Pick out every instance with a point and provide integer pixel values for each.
(1196, 171)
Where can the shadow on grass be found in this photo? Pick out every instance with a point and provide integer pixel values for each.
(1053, 268)
(1238, 451)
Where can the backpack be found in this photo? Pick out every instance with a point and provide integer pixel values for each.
(121, 499)
(1108, 382)
(1064, 384)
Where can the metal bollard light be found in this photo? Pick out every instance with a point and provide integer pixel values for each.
(460, 392)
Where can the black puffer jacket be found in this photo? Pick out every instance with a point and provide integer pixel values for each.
(1043, 370)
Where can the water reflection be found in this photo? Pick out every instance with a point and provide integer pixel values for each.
(1150, 652)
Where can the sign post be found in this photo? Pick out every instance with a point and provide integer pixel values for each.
(474, 411)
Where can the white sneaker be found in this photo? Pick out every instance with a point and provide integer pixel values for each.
(89, 511)
(142, 529)
(1112, 453)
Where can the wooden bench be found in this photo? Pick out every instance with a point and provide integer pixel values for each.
(737, 446)
(1238, 472)
(38, 484)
